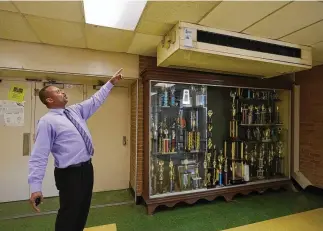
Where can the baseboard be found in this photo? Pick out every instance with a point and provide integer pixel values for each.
(301, 179)
(315, 190)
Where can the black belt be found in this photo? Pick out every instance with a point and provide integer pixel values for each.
(80, 164)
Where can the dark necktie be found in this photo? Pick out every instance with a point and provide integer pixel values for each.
(87, 141)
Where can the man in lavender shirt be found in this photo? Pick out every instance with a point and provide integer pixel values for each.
(64, 133)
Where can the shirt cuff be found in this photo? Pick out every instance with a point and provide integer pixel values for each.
(35, 188)
(109, 85)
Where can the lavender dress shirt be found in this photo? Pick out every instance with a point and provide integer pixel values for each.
(56, 134)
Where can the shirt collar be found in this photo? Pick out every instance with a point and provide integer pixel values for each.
(58, 111)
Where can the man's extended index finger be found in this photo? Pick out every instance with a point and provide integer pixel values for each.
(118, 72)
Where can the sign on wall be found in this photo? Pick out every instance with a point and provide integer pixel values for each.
(16, 93)
(11, 113)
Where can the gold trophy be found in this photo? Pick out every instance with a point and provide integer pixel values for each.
(171, 176)
(233, 167)
(160, 176)
(198, 141)
(280, 147)
(214, 168)
(205, 170)
(197, 178)
(250, 114)
(153, 178)
(220, 163)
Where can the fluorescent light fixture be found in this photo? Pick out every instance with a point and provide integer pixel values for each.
(120, 14)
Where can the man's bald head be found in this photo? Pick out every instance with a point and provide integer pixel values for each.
(53, 97)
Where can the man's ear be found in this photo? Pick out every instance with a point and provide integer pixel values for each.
(49, 100)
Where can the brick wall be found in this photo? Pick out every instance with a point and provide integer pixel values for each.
(311, 124)
(133, 130)
(144, 62)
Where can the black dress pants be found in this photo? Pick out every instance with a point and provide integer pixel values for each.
(75, 185)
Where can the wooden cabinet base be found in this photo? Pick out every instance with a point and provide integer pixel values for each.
(227, 192)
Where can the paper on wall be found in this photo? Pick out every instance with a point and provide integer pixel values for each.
(16, 93)
(11, 113)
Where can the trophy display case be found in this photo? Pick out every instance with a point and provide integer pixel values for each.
(204, 140)
(178, 139)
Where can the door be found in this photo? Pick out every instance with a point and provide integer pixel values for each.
(75, 95)
(108, 126)
(14, 156)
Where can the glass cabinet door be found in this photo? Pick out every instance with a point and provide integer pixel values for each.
(178, 137)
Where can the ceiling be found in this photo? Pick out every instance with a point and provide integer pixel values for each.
(62, 23)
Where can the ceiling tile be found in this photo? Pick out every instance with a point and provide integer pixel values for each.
(238, 15)
(108, 39)
(307, 36)
(7, 6)
(153, 28)
(14, 27)
(63, 10)
(57, 32)
(173, 11)
(143, 44)
(318, 52)
(290, 18)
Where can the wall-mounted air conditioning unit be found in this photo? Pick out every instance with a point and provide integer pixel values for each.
(191, 46)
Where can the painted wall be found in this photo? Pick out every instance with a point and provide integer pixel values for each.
(47, 58)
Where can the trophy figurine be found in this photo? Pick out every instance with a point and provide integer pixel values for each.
(244, 111)
(246, 175)
(280, 157)
(193, 95)
(269, 115)
(205, 171)
(203, 96)
(172, 96)
(171, 176)
(260, 171)
(185, 175)
(165, 97)
(197, 178)
(257, 134)
(249, 136)
(263, 114)
(220, 162)
(209, 116)
(225, 172)
(153, 178)
(250, 114)
(166, 141)
(257, 108)
(277, 115)
(214, 169)
(266, 135)
(160, 176)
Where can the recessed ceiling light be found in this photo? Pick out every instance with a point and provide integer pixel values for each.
(120, 14)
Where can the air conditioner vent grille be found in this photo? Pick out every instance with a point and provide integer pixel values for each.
(247, 44)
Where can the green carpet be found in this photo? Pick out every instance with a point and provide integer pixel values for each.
(211, 216)
(52, 204)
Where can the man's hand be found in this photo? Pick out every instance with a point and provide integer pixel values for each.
(116, 77)
(33, 198)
